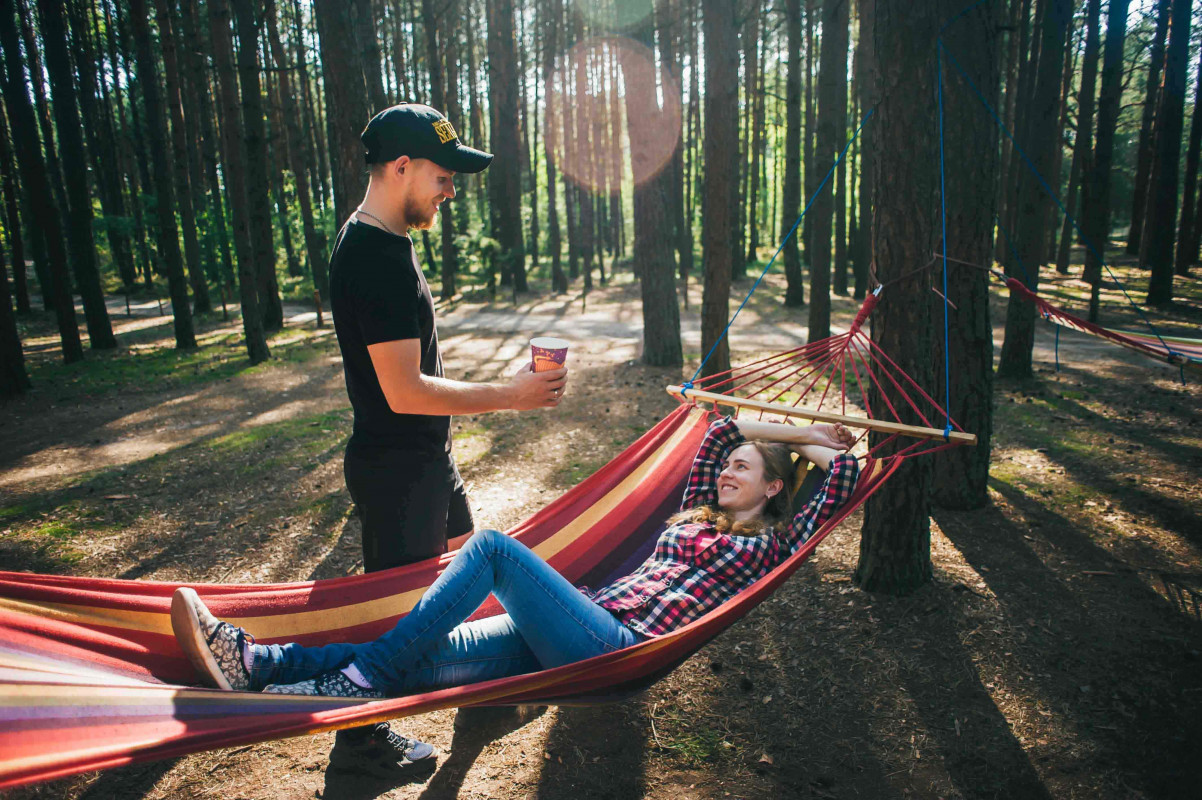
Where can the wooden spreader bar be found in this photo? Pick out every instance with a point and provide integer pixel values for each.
(915, 431)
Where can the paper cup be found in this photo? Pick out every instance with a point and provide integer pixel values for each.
(548, 353)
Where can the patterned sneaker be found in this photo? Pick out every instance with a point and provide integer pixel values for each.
(379, 750)
(214, 647)
(327, 684)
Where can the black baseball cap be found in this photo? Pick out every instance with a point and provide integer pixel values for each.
(418, 131)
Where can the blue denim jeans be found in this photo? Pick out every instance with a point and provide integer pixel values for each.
(549, 623)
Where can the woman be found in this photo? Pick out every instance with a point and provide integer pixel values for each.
(733, 528)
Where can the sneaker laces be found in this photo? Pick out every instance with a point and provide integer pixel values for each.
(394, 739)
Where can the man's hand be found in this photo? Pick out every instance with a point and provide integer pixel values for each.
(824, 434)
(529, 389)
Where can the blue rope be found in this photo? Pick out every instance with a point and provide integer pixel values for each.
(947, 353)
(1050, 193)
(689, 383)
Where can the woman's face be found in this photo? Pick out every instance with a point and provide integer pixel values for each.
(741, 484)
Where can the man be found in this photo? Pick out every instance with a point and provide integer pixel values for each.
(398, 466)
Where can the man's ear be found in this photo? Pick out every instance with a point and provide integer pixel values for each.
(400, 164)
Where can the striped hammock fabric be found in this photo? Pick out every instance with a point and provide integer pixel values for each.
(91, 676)
(1175, 350)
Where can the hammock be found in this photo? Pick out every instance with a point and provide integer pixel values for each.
(91, 676)
(1175, 350)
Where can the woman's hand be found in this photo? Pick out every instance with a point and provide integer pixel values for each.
(824, 434)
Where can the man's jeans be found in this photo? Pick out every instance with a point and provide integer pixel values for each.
(549, 623)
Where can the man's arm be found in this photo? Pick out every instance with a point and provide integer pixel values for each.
(398, 369)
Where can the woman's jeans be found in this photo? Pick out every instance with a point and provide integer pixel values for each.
(549, 623)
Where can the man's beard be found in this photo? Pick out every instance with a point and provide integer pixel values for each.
(419, 215)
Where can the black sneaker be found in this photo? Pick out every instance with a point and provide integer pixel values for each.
(378, 749)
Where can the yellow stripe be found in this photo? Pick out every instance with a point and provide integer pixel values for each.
(284, 626)
(598, 511)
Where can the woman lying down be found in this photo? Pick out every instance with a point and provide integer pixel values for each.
(732, 529)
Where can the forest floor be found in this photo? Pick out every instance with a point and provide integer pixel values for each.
(1057, 652)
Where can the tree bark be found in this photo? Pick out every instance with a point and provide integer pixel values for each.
(1147, 129)
(346, 106)
(1187, 231)
(1096, 202)
(1083, 144)
(179, 147)
(721, 134)
(654, 264)
(12, 218)
(369, 53)
(156, 121)
(961, 474)
(101, 141)
(258, 184)
(234, 146)
(505, 179)
(790, 205)
(551, 137)
(866, 86)
(54, 168)
(13, 378)
(895, 538)
(831, 133)
(81, 242)
(315, 239)
(1162, 202)
(1032, 206)
(450, 255)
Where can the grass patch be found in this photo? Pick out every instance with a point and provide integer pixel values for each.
(696, 747)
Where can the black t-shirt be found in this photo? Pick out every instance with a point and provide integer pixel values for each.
(378, 294)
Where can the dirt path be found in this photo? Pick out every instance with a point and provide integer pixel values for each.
(1054, 654)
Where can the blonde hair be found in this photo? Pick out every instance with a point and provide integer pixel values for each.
(778, 466)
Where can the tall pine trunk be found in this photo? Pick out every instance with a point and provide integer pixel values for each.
(234, 162)
(346, 106)
(170, 258)
(721, 132)
(1188, 233)
(1147, 128)
(13, 378)
(790, 205)
(80, 239)
(552, 135)
(505, 176)
(832, 127)
(1083, 145)
(866, 88)
(1162, 201)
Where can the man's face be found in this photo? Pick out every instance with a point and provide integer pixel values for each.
(427, 186)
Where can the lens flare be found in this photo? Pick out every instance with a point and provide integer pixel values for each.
(587, 128)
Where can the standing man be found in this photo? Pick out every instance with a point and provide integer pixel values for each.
(398, 467)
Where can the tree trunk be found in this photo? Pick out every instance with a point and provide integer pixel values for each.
(551, 137)
(790, 205)
(179, 147)
(346, 106)
(756, 99)
(156, 122)
(258, 184)
(1187, 231)
(450, 255)
(721, 134)
(1147, 130)
(81, 242)
(807, 153)
(895, 538)
(1095, 211)
(1020, 13)
(12, 218)
(505, 178)
(865, 77)
(36, 181)
(13, 378)
(653, 261)
(133, 134)
(1032, 206)
(1083, 145)
(961, 474)
(1162, 202)
(234, 147)
(369, 53)
(832, 128)
(315, 240)
(98, 128)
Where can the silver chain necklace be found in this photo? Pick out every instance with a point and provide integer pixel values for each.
(377, 219)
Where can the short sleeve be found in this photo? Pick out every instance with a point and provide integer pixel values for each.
(386, 309)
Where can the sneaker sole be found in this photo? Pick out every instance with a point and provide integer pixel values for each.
(185, 622)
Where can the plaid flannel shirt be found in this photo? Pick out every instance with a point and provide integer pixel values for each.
(694, 568)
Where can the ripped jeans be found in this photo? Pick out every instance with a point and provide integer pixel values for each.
(549, 623)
